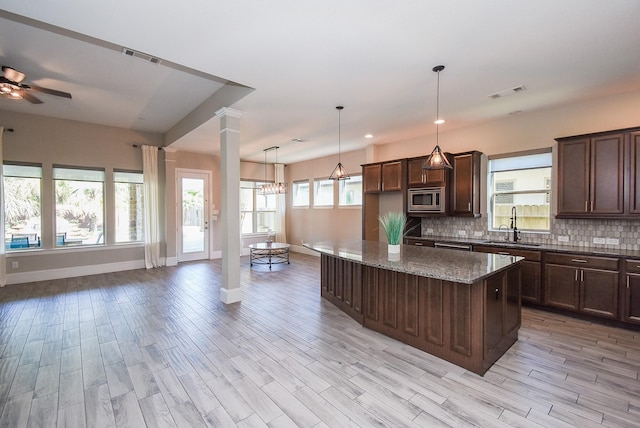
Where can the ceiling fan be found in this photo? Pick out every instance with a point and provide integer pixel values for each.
(11, 86)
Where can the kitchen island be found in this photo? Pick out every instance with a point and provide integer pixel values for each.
(463, 307)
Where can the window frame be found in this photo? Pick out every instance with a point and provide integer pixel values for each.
(254, 217)
(532, 163)
(140, 174)
(341, 186)
(293, 192)
(38, 234)
(318, 182)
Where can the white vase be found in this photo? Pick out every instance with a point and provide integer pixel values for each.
(393, 249)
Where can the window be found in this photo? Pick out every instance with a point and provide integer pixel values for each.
(351, 191)
(257, 212)
(523, 182)
(323, 193)
(79, 205)
(129, 206)
(22, 206)
(300, 193)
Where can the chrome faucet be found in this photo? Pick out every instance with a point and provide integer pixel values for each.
(506, 228)
(514, 225)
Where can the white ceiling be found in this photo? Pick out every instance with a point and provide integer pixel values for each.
(304, 58)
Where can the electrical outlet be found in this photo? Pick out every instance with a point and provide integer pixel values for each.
(563, 239)
(462, 232)
(429, 230)
(599, 241)
(14, 265)
(477, 234)
(613, 241)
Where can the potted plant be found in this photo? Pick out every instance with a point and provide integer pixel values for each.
(393, 224)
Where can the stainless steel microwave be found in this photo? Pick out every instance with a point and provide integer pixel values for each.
(428, 200)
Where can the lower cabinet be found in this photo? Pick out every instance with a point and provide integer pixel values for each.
(630, 294)
(584, 284)
(531, 269)
(341, 284)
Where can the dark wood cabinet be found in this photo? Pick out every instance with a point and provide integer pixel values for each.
(591, 176)
(630, 293)
(465, 192)
(417, 176)
(531, 268)
(582, 284)
(419, 242)
(634, 173)
(382, 177)
(341, 283)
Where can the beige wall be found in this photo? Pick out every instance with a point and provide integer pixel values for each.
(320, 224)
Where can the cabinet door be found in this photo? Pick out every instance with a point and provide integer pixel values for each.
(573, 176)
(494, 311)
(531, 284)
(415, 173)
(466, 184)
(371, 176)
(561, 286)
(632, 298)
(607, 175)
(391, 176)
(634, 173)
(599, 292)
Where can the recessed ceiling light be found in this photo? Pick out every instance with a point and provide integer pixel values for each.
(368, 136)
(515, 112)
(508, 92)
(297, 140)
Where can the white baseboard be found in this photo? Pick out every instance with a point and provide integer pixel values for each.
(172, 261)
(304, 250)
(230, 295)
(70, 272)
(215, 255)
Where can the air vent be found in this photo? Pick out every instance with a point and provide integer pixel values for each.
(508, 92)
(141, 56)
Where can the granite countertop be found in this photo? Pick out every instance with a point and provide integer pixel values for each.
(450, 265)
(557, 248)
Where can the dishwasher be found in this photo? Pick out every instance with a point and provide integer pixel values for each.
(462, 247)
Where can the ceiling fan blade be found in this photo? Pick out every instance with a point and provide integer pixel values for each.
(33, 100)
(50, 91)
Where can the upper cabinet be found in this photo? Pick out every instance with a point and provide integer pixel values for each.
(465, 192)
(634, 173)
(592, 172)
(417, 176)
(382, 177)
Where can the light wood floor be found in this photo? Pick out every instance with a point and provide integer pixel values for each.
(157, 348)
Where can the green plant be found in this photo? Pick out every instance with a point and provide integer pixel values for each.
(393, 224)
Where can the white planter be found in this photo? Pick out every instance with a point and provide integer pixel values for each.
(393, 249)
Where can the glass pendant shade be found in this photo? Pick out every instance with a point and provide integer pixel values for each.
(339, 172)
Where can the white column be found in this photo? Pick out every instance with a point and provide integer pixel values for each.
(230, 290)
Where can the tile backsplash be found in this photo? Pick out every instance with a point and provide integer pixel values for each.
(600, 233)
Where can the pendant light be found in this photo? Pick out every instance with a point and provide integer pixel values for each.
(275, 188)
(437, 159)
(339, 173)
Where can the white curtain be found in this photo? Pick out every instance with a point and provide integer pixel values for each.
(151, 222)
(281, 206)
(3, 257)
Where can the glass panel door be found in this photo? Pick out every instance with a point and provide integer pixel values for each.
(194, 216)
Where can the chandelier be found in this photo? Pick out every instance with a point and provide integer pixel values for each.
(437, 159)
(276, 188)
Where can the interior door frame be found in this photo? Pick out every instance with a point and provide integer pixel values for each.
(206, 176)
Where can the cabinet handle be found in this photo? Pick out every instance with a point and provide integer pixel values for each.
(419, 244)
(591, 206)
(504, 253)
(469, 206)
(578, 261)
(576, 276)
(585, 206)
(497, 293)
(581, 276)
(627, 281)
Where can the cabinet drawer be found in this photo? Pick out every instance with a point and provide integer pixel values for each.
(419, 242)
(632, 266)
(534, 256)
(579, 260)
